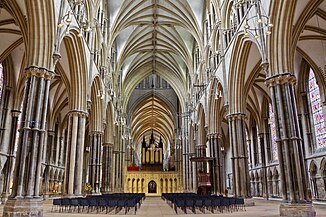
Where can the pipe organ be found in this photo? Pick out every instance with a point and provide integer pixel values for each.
(152, 154)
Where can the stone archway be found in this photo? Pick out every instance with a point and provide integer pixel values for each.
(152, 187)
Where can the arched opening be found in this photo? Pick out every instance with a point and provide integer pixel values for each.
(152, 187)
(313, 179)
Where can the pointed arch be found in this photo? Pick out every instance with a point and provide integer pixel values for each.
(78, 71)
(237, 74)
(97, 108)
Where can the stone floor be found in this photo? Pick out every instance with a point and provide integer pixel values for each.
(156, 207)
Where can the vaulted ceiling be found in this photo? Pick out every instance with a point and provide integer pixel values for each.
(155, 37)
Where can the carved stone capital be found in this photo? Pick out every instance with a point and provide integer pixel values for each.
(280, 79)
(33, 71)
(15, 113)
(79, 113)
(236, 116)
(103, 69)
(108, 144)
(95, 133)
(51, 132)
(56, 57)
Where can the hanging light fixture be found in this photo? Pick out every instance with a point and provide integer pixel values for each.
(258, 25)
(76, 11)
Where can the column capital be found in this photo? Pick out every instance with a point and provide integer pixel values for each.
(215, 135)
(51, 132)
(261, 134)
(103, 68)
(95, 132)
(79, 113)
(109, 144)
(280, 79)
(89, 104)
(238, 115)
(15, 113)
(39, 72)
(56, 57)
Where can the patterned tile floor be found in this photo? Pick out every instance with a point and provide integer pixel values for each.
(156, 207)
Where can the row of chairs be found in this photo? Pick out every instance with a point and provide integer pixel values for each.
(194, 202)
(107, 202)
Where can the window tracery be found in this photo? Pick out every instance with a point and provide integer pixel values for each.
(316, 111)
(1, 80)
(273, 132)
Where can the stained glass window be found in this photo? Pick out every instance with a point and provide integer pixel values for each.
(19, 124)
(259, 148)
(317, 111)
(248, 148)
(1, 80)
(273, 132)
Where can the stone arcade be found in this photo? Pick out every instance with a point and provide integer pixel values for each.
(231, 94)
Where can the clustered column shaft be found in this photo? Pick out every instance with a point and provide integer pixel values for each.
(95, 161)
(107, 167)
(187, 165)
(215, 151)
(30, 145)
(290, 151)
(75, 153)
(239, 155)
(11, 157)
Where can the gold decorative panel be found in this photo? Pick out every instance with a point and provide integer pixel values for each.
(152, 183)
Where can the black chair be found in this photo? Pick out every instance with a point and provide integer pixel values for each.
(121, 203)
(102, 204)
(180, 203)
(240, 203)
(65, 203)
(216, 204)
(112, 204)
(224, 204)
(56, 204)
(189, 204)
(207, 203)
(131, 203)
(74, 203)
(232, 204)
(198, 203)
(92, 204)
(83, 202)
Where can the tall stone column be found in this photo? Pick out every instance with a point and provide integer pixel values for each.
(239, 158)
(75, 153)
(11, 156)
(4, 103)
(187, 175)
(25, 198)
(290, 150)
(46, 182)
(212, 153)
(217, 163)
(263, 165)
(114, 169)
(48, 149)
(123, 164)
(118, 160)
(61, 160)
(220, 145)
(95, 161)
(107, 167)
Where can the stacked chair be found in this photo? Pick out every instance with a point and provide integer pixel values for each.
(203, 203)
(99, 203)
